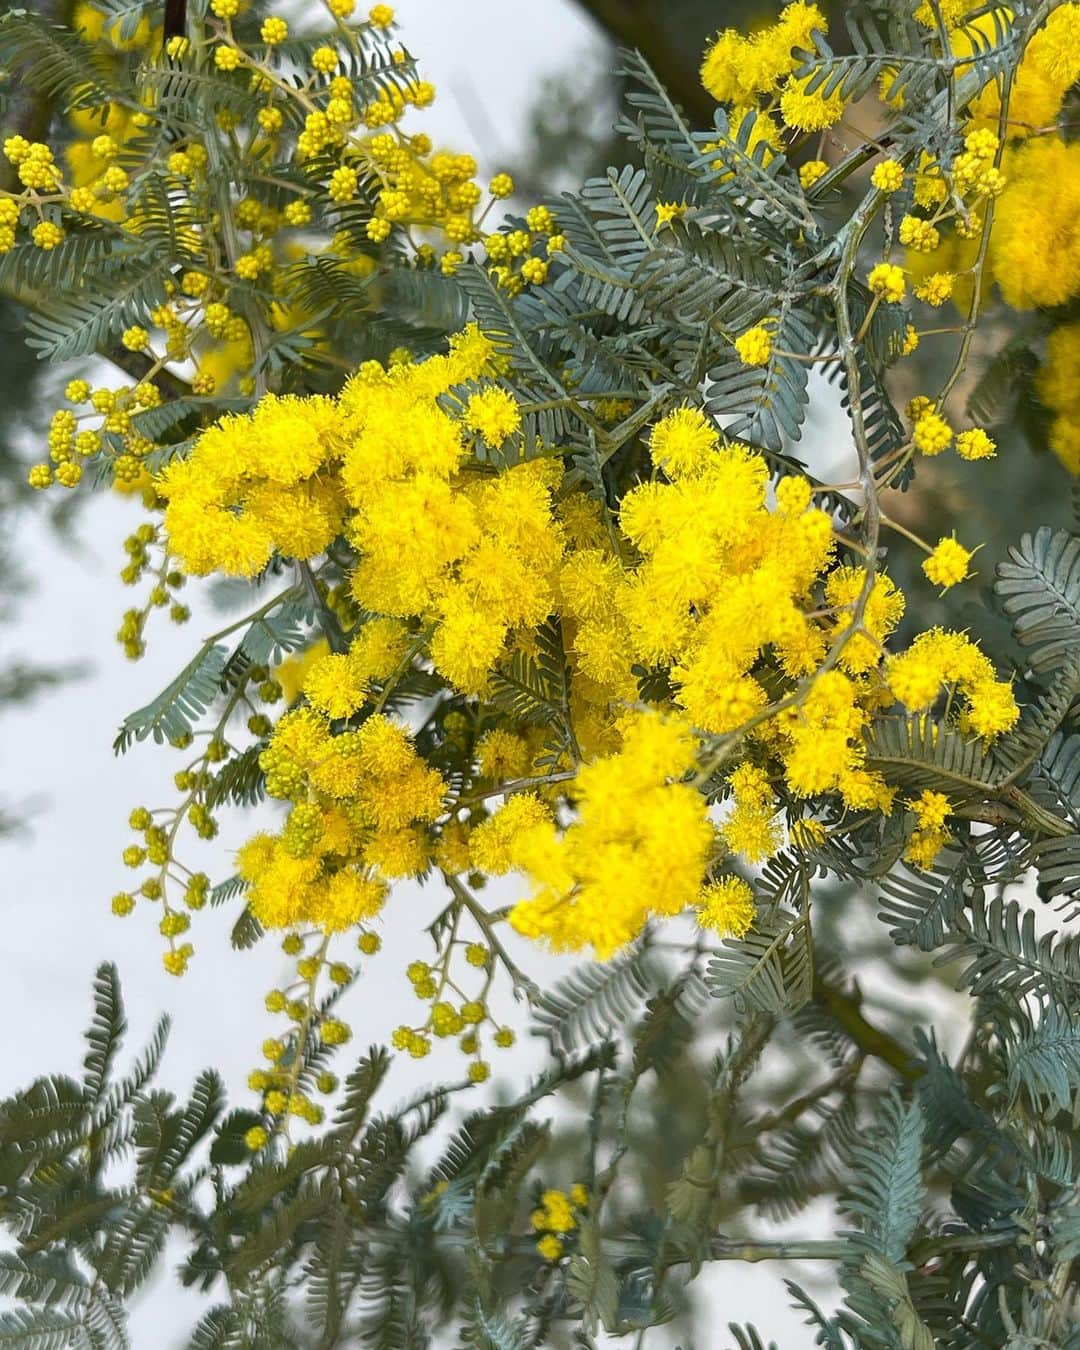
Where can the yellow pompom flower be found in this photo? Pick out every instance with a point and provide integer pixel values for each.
(595, 887)
(534, 271)
(135, 339)
(683, 442)
(332, 686)
(948, 564)
(931, 809)
(274, 30)
(888, 176)
(343, 184)
(887, 281)
(992, 709)
(750, 829)
(738, 70)
(550, 1247)
(493, 414)
(923, 847)
(918, 234)
(811, 171)
(492, 844)
(726, 907)
(975, 444)
(46, 235)
(754, 347)
(809, 111)
(1035, 245)
(556, 1213)
(936, 288)
(932, 433)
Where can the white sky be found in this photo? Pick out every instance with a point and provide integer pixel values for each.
(55, 885)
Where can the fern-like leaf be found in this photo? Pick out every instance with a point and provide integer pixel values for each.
(1040, 592)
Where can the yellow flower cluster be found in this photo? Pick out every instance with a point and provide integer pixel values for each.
(458, 565)
(948, 564)
(254, 485)
(937, 660)
(1050, 66)
(357, 152)
(754, 347)
(743, 71)
(1058, 385)
(727, 907)
(1035, 242)
(360, 801)
(931, 810)
(556, 1217)
(475, 557)
(638, 848)
(750, 828)
(720, 578)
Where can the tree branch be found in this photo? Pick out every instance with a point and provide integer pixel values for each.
(845, 1011)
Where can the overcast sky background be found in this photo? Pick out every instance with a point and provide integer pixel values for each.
(56, 883)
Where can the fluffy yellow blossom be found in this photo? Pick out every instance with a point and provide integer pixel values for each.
(492, 844)
(918, 234)
(738, 70)
(357, 799)
(703, 584)
(1050, 66)
(1035, 242)
(556, 1213)
(932, 433)
(754, 346)
(1058, 385)
(888, 176)
(923, 846)
(975, 444)
(332, 686)
(948, 564)
(939, 658)
(887, 281)
(751, 829)
(225, 507)
(598, 882)
(550, 1247)
(821, 744)
(931, 809)
(493, 415)
(881, 614)
(936, 288)
(726, 907)
(811, 172)
(683, 442)
(809, 111)
(503, 756)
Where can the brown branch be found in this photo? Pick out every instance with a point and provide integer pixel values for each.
(845, 1011)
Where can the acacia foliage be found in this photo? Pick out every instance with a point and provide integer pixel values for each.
(956, 1178)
